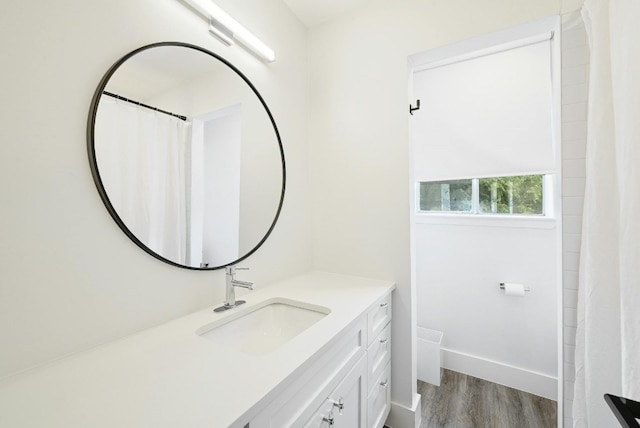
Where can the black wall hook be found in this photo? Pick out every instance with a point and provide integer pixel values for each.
(412, 108)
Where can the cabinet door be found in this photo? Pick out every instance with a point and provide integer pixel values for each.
(346, 406)
(309, 390)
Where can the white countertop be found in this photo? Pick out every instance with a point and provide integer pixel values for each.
(168, 376)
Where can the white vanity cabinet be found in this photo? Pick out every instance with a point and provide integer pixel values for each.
(335, 373)
(348, 385)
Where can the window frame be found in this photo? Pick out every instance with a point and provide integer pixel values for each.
(475, 213)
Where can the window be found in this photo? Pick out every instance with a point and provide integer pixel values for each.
(519, 195)
(511, 195)
(452, 195)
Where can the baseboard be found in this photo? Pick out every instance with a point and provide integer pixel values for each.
(503, 374)
(404, 417)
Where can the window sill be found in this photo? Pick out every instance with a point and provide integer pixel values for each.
(487, 220)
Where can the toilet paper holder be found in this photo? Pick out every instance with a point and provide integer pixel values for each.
(525, 287)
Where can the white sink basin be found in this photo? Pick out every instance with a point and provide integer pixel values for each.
(264, 328)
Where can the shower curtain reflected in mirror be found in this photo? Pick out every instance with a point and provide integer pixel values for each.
(144, 157)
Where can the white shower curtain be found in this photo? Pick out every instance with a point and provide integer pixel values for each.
(608, 335)
(142, 158)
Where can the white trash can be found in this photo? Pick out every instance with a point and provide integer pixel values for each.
(429, 365)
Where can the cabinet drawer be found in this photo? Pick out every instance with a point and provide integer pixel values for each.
(379, 401)
(379, 355)
(378, 317)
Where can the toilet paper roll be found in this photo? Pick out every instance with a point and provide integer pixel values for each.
(513, 289)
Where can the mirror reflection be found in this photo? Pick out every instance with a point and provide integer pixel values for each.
(187, 157)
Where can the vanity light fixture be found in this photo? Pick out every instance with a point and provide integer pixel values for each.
(228, 30)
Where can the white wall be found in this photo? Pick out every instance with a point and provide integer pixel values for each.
(459, 269)
(359, 144)
(460, 260)
(69, 278)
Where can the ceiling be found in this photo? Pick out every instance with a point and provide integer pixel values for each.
(316, 12)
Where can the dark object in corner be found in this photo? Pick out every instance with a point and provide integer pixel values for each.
(627, 411)
(412, 108)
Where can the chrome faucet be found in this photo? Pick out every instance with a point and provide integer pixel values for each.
(230, 301)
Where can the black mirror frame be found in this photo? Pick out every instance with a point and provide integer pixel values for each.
(96, 174)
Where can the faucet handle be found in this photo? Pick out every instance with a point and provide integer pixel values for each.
(231, 270)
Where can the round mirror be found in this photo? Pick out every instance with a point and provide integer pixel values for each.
(186, 156)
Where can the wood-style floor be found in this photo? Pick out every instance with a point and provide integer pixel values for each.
(463, 401)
